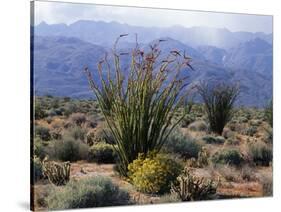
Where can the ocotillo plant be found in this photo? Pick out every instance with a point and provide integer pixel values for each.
(139, 107)
(218, 101)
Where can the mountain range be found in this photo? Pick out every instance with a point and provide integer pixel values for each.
(61, 52)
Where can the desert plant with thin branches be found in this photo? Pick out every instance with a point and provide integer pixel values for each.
(139, 107)
(218, 101)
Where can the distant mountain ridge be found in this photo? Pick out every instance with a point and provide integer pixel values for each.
(59, 62)
(104, 33)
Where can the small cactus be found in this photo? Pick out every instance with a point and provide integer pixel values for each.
(57, 173)
(191, 188)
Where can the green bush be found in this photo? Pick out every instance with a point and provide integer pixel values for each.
(69, 149)
(228, 156)
(154, 174)
(77, 133)
(218, 101)
(39, 112)
(102, 153)
(261, 153)
(43, 133)
(179, 144)
(78, 118)
(87, 193)
(39, 148)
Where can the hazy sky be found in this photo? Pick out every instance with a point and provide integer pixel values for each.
(54, 12)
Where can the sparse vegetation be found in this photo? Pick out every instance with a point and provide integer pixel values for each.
(130, 143)
(90, 147)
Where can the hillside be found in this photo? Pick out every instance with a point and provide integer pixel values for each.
(59, 62)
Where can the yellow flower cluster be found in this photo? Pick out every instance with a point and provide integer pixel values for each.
(154, 173)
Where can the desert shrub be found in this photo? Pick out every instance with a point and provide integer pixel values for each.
(188, 119)
(231, 125)
(232, 141)
(92, 121)
(209, 139)
(218, 101)
(267, 185)
(191, 188)
(260, 153)
(255, 123)
(228, 156)
(56, 133)
(51, 112)
(78, 118)
(144, 99)
(268, 113)
(55, 112)
(70, 108)
(43, 133)
(86, 193)
(154, 174)
(228, 133)
(69, 149)
(39, 112)
(40, 196)
(179, 144)
(198, 126)
(229, 173)
(268, 135)
(99, 134)
(251, 131)
(168, 198)
(248, 174)
(39, 148)
(77, 133)
(203, 158)
(37, 169)
(243, 119)
(102, 153)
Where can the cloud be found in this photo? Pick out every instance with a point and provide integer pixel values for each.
(58, 12)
